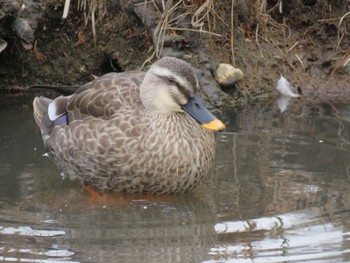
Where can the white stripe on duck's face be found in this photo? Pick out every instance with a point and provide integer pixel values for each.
(172, 77)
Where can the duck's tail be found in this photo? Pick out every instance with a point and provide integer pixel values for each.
(41, 105)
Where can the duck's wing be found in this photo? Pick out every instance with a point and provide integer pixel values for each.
(106, 95)
(100, 98)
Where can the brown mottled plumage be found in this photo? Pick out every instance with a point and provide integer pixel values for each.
(129, 131)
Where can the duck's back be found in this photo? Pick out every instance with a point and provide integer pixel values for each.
(106, 95)
(101, 122)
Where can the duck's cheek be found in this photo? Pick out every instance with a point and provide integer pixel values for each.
(165, 103)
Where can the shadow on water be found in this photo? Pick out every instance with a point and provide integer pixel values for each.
(279, 192)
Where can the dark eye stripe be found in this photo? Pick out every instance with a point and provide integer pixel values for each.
(181, 88)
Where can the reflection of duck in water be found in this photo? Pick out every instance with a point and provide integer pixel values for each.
(181, 230)
(133, 131)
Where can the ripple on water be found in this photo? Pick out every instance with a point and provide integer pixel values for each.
(25, 244)
(292, 237)
(280, 192)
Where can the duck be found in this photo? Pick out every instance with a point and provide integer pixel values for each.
(132, 132)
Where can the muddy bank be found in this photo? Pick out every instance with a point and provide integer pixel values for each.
(306, 41)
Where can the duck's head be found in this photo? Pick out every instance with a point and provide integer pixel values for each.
(171, 85)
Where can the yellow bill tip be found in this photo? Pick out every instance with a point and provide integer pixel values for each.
(215, 125)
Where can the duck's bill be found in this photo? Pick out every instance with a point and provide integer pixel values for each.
(196, 109)
(214, 125)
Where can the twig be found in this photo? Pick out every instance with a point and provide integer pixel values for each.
(295, 44)
(219, 17)
(301, 62)
(232, 32)
(257, 39)
(66, 9)
(194, 30)
(345, 60)
(340, 40)
(148, 59)
(340, 22)
(93, 24)
(198, 22)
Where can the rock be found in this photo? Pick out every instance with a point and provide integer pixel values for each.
(227, 75)
(25, 32)
(21, 17)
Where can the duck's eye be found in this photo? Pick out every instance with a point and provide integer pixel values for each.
(172, 80)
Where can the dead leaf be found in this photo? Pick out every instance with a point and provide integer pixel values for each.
(39, 55)
(81, 38)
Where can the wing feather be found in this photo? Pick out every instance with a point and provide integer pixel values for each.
(106, 95)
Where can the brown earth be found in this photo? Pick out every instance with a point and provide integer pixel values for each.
(308, 41)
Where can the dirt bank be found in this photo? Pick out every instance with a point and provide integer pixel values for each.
(307, 41)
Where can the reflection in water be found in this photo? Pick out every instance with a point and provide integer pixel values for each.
(282, 191)
(285, 237)
(279, 192)
(28, 231)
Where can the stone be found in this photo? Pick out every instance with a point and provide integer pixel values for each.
(227, 75)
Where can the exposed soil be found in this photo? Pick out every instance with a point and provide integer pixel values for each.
(308, 41)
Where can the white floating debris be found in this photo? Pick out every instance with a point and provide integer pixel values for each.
(285, 89)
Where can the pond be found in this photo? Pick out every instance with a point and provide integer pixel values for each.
(279, 192)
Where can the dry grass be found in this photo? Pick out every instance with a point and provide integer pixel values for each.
(91, 10)
(198, 16)
(202, 16)
(173, 17)
(264, 22)
(341, 34)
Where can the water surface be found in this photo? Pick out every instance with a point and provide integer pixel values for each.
(279, 192)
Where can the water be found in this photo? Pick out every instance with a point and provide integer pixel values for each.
(280, 192)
